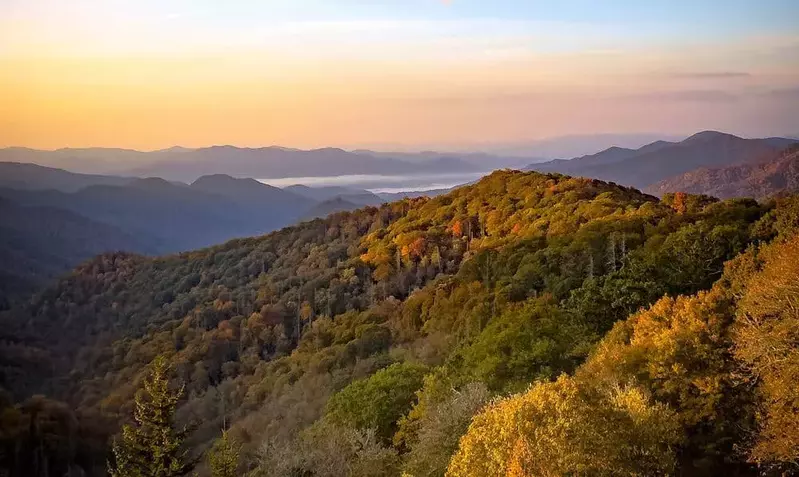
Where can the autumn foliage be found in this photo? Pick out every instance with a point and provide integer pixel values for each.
(527, 324)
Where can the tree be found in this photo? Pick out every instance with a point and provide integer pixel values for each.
(223, 457)
(536, 341)
(438, 427)
(378, 401)
(568, 427)
(151, 447)
(766, 338)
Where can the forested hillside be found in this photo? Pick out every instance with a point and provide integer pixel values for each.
(775, 174)
(364, 343)
(40, 243)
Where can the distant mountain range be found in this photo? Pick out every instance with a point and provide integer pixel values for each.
(573, 145)
(661, 160)
(186, 165)
(759, 179)
(25, 176)
(172, 217)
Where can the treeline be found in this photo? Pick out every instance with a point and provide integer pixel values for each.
(365, 343)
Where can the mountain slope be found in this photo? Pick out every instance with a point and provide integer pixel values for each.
(663, 388)
(324, 193)
(34, 177)
(332, 206)
(495, 284)
(39, 243)
(758, 179)
(178, 217)
(658, 161)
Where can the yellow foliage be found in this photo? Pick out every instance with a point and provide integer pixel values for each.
(767, 343)
(677, 348)
(569, 427)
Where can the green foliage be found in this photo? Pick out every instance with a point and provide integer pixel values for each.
(332, 327)
(531, 343)
(223, 457)
(151, 447)
(378, 401)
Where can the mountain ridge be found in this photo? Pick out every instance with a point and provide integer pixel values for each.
(662, 159)
(761, 178)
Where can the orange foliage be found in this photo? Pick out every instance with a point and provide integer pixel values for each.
(679, 202)
(457, 229)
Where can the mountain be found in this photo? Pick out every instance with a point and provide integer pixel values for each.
(332, 199)
(574, 145)
(186, 165)
(15, 175)
(324, 193)
(95, 160)
(174, 216)
(39, 243)
(359, 197)
(759, 179)
(480, 160)
(659, 160)
(335, 199)
(392, 196)
(275, 162)
(331, 206)
(369, 342)
(267, 202)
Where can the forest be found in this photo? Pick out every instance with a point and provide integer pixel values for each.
(528, 324)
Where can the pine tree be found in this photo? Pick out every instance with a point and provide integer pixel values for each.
(223, 457)
(151, 447)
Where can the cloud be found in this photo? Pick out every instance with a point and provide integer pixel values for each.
(694, 96)
(784, 94)
(710, 75)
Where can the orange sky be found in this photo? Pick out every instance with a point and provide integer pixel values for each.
(354, 83)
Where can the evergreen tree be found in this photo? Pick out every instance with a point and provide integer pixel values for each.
(151, 447)
(223, 458)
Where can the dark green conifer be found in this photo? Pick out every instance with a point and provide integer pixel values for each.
(223, 458)
(151, 447)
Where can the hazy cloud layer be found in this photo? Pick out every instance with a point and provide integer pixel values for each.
(711, 75)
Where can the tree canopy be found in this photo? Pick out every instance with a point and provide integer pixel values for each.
(354, 342)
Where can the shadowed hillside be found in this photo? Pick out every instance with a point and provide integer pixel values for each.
(660, 160)
(777, 174)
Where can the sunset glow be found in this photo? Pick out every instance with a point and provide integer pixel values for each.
(151, 74)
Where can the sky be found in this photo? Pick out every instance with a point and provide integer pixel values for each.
(404, 74)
